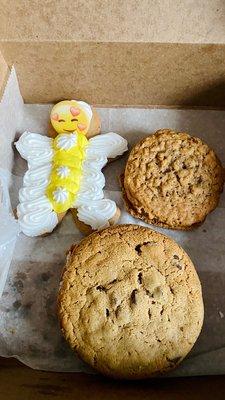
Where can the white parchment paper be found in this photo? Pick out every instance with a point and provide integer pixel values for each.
(28, 322)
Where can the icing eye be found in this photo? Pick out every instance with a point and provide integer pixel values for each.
(74, 119)
(61, 120)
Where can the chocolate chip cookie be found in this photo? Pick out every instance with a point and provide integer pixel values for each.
(130, 302)
(172, 180)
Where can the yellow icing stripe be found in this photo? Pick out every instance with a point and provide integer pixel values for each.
(66, 174)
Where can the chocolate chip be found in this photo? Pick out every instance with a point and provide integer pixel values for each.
(177, 176)
(133, 298)
(176, 257)
(114, 281)
(117, 311)
(140, 278)
(100, 288)
(138, 249)
(172, 291)
(149, 314)
(107, 312)
(149, 294)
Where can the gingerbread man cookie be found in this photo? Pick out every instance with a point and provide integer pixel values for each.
(65, 172)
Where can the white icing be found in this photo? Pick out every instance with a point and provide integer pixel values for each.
(42, 203)
(35, 148)
(92, 208)
(92, 176)
(87, 109)
(35, 213)
(35, 210)
(63, 172)
(97, 213)
(60, 195)
(36, 217)
(66, 141)
(94, 162)
(109, 145)
(88, 193)
(30, 193)
(38, 177)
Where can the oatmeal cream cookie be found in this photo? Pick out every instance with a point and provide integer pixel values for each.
(172, 180)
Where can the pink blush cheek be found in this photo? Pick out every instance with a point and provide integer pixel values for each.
(55, 117)
(82, 127)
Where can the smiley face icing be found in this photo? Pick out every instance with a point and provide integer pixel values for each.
(69, 116)
(66, 172)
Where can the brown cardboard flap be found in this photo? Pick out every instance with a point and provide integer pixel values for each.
(120, 73)
(4, 70)
(114, 21)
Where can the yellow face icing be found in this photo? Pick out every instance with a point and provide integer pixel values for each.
(66, 174)
(71, 116)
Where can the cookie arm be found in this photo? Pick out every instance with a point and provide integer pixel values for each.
(109, 145)
(34, 210)
(35, 148)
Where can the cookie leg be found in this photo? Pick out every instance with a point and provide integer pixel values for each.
(60, 218)
(36, 217)
(96, 215)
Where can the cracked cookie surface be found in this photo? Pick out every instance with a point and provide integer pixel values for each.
(172, 180)
(130, 302)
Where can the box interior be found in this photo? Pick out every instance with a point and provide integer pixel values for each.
(151, 59)
(34, 324)
(120, 74)
(167, 53)
(164, 21)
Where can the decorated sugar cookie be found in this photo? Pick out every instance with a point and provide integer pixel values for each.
(65, 172)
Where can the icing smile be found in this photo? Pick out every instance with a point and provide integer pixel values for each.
(69, 130)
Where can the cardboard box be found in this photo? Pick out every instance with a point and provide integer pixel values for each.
(113, 53)
(117, 53)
